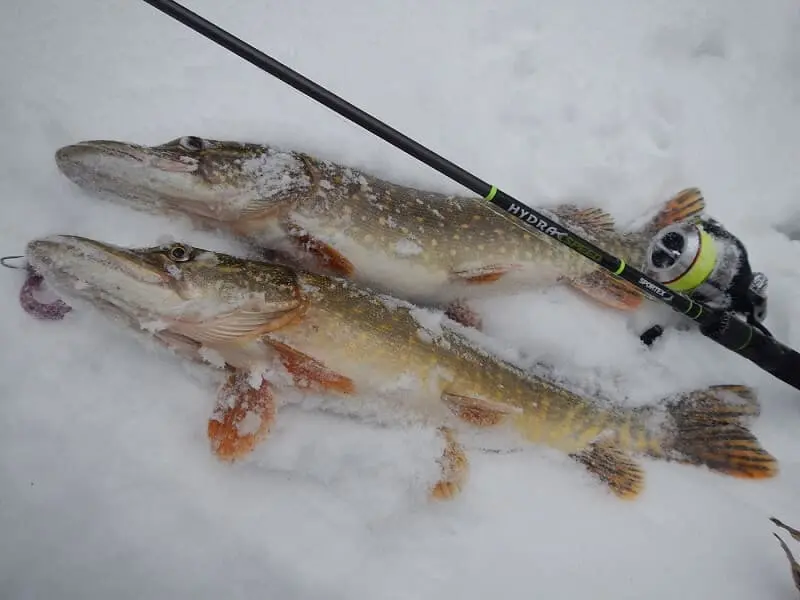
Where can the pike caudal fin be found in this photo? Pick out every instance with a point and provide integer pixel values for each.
(686, 205)
(708, 428)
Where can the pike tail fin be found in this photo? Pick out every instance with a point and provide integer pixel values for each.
(686, 205)
(708, 427)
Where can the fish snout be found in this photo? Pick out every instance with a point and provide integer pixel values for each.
(43, 251)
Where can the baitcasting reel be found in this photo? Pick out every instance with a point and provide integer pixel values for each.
(704, 261)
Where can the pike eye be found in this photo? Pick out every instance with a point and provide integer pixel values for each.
(192, 142)
(179, 253)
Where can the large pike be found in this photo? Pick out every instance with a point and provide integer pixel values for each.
(381, 355)
(428, 248)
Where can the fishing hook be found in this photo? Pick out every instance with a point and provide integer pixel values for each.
(5, 259)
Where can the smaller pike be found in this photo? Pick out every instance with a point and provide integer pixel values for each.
(427, 248)
(381, 355)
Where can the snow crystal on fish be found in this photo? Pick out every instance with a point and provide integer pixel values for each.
(174, 271)
(211, 356)
(429, 319)
(406, 247)
(274, 172)
(208, 258)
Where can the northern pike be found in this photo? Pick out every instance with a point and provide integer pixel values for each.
(428, 248)
(376, 353)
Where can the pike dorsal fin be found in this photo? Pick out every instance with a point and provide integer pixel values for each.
(592, 219)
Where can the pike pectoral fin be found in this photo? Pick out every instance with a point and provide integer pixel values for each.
(242, 417)
(328, 257)
(238, 325)
(482, 273)
(478, 411)
(308, 371)
(606, 460)
(455, 468)
(609, 290)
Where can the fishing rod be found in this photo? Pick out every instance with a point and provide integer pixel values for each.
(723, 327)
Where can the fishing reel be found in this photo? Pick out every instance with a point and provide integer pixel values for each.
(704, 261)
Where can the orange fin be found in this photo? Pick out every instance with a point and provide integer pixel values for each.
(307, 370)
(329, 257)
(455, 468)
(606, 460)
(478, 411)
(609, 290)
(483, 273)
(460, 312)
(592, 219)
(686, 205)
(242, 417)
(709, 432)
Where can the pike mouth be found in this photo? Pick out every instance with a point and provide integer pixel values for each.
(102, 156)
(144, 178)
(66, 256)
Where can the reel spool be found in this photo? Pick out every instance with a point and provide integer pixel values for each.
(707, 263)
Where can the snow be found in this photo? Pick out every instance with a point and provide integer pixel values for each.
(107, 484)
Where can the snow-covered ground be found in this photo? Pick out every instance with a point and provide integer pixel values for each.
(107, 485)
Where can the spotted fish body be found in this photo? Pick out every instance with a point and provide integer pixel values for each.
(425, 247)
(377, 354)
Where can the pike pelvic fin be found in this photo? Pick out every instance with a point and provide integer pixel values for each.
(482, 273)
(609, 290)
(455, 468)
(328, 257)
(478, 411)
(308, 372)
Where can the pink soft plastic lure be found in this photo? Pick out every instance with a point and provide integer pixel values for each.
(49, 311)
